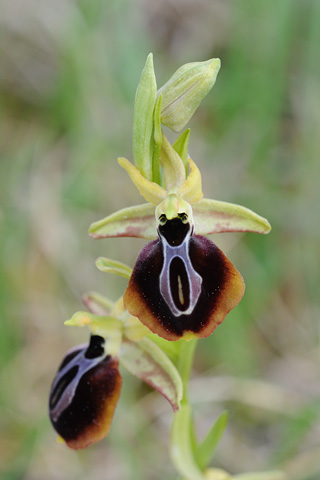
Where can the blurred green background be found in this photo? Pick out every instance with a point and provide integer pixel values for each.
(68, 74)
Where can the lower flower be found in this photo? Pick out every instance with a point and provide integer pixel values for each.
(84, 394)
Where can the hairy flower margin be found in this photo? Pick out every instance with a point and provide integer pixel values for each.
(182, 285)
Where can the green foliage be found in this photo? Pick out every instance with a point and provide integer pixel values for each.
(66, 113)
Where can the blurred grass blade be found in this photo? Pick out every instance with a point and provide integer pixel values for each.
(107, 265)
(206, 449)
(142, 139)
(181, 445)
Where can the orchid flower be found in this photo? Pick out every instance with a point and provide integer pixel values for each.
(182, 285)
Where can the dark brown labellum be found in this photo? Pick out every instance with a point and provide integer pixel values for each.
(84, 394)
(182, 284)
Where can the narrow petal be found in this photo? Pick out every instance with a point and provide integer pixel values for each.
(191, 189)
(137, 221)
(84, 394)
(172, 165)
(151, 191)
(212, 216)
(216, 285)
(108, 265)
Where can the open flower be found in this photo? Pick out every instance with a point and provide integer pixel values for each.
(182, 285)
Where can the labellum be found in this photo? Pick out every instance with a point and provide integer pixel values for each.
(182, 284)
(84, 394)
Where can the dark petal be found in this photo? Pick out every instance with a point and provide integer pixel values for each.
(84, 394)
(222, 288)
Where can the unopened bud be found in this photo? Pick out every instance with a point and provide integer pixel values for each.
(185, 90)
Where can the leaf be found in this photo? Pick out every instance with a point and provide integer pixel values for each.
(112, 266)
(97, 303)
(206, 449)
(148, 362)
(143, 119)
(213, 216)
(181, 445)
(137, 221)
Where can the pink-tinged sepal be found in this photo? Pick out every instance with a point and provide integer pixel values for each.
(137, 221)
(84, 394)
(182, 285)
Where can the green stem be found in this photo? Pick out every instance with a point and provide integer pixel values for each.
(185, 362)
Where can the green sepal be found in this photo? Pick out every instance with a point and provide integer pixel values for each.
(142, 130)
(97, 303)
(157, 137)
(206, 448)
(149, 363)
(181, 443)
(136, 221)
(181, 146)
(107, 265)
(213, 216)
